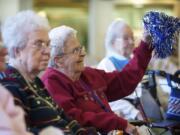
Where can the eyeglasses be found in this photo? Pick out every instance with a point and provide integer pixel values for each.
(126, 38)
(41, 45)
(76, 51)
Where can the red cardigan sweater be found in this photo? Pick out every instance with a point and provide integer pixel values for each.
(77, 100)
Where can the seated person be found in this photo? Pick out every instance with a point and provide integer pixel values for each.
(119, 43)
(26, 37)
(84, 92)
(10, 114)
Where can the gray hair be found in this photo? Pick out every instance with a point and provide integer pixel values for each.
(16, 28)
(112, 32)
(58, 37)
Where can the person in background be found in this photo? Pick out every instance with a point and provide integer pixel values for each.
(84, 92)
(26, 37)
(119, 44)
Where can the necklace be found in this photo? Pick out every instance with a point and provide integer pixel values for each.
(32, 88)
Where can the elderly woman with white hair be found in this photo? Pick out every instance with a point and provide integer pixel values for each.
(84, 92)
(11, 115)
(26, 37)
(119, 44)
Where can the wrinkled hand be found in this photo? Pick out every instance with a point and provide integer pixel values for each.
(144, 130)
(146, 37)
(132, 130)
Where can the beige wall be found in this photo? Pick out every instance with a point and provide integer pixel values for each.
(99, 15)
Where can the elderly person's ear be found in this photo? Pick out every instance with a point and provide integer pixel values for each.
(58, 60)
(16, 51)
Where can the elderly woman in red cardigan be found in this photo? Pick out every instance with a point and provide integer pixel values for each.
(26, 37)
(84, 92)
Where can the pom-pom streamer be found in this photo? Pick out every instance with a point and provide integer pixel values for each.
(164, 31)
